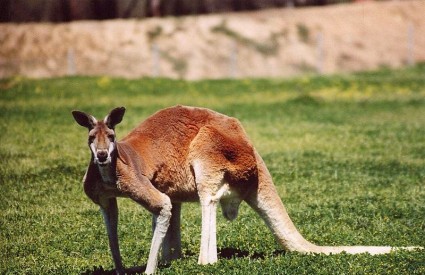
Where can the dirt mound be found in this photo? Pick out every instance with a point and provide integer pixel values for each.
(270, 43)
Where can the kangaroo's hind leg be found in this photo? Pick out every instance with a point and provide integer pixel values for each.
(207, 183)
(219, 161)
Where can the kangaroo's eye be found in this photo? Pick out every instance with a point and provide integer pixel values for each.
(111, 137)
(91, 138)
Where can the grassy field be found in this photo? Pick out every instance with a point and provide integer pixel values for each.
(347, 154)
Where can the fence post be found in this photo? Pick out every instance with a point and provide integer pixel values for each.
(319, 50)
(155, 60)
(233, 60)
(71, 62)
(410, 44)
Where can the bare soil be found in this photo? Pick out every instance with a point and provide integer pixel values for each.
(268, 43)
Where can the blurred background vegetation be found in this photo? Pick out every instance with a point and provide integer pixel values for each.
(70, 10)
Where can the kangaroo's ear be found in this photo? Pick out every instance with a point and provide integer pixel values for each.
(84, 119)
(114, 117)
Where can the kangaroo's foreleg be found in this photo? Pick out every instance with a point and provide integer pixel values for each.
(171, 247)
(141, 190)
(109, 210)
(162, 221)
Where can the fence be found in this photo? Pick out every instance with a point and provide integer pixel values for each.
(159, 57)
(225, 53)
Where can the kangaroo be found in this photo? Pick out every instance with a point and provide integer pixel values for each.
(184, 154)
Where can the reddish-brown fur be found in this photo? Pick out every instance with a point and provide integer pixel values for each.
(161, 146)
(156, 159)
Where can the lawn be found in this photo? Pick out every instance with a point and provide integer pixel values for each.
(346, 152)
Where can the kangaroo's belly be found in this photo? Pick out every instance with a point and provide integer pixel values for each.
(177, 182)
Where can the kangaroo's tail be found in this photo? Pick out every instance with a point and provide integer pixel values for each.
(266, 202)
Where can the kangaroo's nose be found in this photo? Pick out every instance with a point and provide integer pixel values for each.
(102, 155)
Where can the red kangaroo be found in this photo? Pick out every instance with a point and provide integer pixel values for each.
(182, 154)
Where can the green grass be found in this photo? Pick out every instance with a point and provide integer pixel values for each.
(347, 154)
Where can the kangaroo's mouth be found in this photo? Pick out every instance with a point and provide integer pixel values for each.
(102, 163)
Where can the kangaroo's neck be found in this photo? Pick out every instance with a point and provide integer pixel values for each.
(107, 173)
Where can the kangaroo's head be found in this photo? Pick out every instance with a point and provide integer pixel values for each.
(101, 138)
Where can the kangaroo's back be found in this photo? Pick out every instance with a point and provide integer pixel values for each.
(165, 140)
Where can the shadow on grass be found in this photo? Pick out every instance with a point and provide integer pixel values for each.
(223, 253)
(100, 271)
(230, 253)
